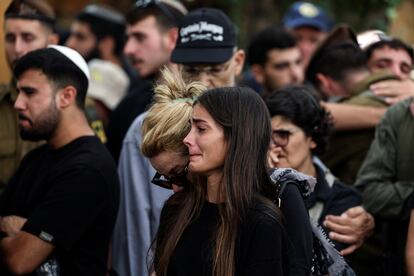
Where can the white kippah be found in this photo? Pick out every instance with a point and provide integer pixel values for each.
(75, 57)
(370, 37)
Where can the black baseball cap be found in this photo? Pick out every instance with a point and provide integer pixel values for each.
(206, 35)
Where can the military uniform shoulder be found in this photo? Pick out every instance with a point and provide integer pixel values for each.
(379, 76)
(366, 98)
(4, 90)
(4, 87)
(362, 95)
(400, 112)
(401, 107)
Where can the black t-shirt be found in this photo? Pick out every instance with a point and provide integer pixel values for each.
(261, 246)
(70, 198)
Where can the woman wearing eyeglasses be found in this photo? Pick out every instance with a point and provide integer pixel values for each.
(300, 130)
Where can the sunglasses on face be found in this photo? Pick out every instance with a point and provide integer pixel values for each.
(167, 182)
(280, 137)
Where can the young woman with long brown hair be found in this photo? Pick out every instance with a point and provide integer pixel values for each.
(224, 223)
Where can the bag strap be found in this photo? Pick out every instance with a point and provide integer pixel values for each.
(281, 189)
(282, 176)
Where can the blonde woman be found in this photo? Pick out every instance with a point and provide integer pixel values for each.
(166, 125)
(138, 217)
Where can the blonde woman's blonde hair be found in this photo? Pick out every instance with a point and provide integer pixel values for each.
(167, 121)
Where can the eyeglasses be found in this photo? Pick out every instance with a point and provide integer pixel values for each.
(192, 71)
(166, 182)
(142, 4)
(280, 137)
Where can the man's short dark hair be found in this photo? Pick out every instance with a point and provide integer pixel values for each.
(166, 15)
(393, 43)
(58, 69)
(271, 38)
(102, 28)
(335, 61)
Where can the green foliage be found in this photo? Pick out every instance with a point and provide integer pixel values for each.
(251, 15)
(361, 14)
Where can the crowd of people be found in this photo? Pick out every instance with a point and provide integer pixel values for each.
(142, 144)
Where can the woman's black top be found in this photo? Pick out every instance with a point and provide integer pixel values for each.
(298, 227)
(262, 247)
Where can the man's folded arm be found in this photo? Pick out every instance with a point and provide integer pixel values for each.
(24, 252)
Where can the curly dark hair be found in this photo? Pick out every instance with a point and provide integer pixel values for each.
(299, 105)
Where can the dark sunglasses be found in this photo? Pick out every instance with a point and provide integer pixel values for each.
(280, 137)
(166, 182)
(142, 4)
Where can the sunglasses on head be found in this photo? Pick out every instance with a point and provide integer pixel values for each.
(143, 4)
(167, 182)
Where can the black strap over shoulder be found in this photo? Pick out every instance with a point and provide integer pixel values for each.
(325, 259)
(281, 177)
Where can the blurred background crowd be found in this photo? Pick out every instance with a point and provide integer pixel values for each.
(336, 77)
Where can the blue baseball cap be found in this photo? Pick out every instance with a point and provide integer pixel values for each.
(304, 14)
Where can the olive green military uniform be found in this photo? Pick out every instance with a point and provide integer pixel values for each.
(386, 180)
(347, 149)
(345, 157)
(12, 147)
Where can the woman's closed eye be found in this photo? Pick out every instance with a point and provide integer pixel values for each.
(201, 129)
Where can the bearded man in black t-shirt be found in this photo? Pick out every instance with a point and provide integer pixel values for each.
(58, 211)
